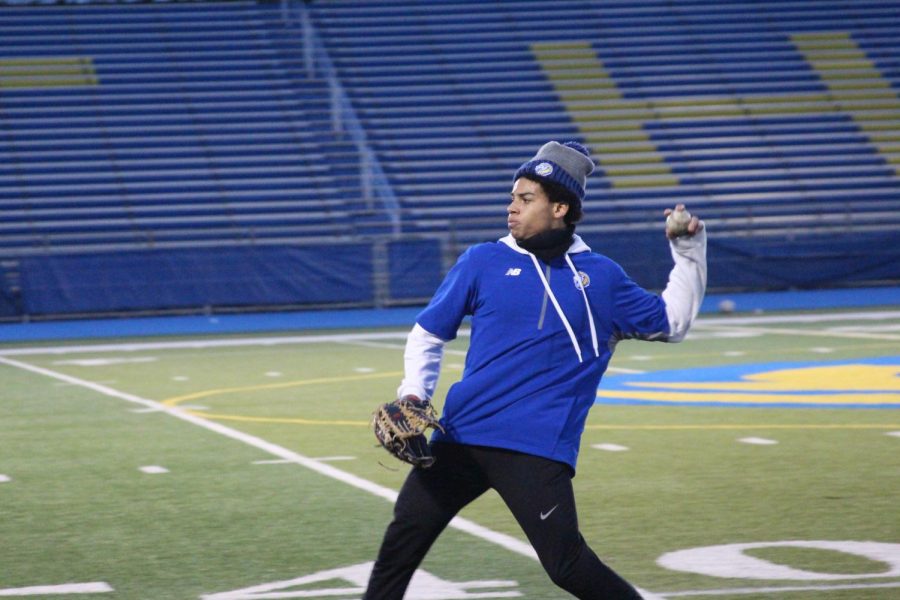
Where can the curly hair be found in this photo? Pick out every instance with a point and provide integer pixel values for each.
(558, 193)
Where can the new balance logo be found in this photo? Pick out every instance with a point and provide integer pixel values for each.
(513, 272)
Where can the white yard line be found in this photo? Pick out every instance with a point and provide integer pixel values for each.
(610, 447)
(202, 343)
(369, 344)
(463, 353)
(711, 323)
(624, 371)
(153, 470)
(459, 523)
(877, 328)
(879, 315)
(399, 347)
(757, 441)
(801, 332)
(97, 587)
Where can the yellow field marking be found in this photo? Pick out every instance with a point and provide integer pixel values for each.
(174, 401)
(847, 384)
(281, 420)
(729, 426)
(275, 386)
(846, 378)
(758, 399)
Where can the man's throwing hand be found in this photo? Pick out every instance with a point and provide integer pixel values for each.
(680, 222)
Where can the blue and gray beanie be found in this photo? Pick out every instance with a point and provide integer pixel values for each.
(567, 164)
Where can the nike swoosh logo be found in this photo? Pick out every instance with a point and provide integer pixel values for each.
(548, 513)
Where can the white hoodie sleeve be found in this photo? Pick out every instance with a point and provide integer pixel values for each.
(421, 363)
(687, 284)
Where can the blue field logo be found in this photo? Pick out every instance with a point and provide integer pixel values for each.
(857, 383)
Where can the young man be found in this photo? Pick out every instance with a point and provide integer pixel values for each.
(546, 315)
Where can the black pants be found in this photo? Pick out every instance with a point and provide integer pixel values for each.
(537, 491)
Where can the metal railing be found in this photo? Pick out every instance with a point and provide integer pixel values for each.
(375, 186)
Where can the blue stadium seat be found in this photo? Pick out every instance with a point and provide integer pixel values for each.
(178, 124)
(122, 121)
(735, 113)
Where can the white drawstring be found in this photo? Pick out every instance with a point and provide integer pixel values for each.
(587, 305)
(560, 312)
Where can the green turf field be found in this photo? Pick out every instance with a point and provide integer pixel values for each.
(244, 467)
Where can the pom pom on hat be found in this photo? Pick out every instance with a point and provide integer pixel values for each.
(567, 164)
(578, 146)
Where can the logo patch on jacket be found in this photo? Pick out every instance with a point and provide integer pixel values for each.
(582, 280)
(513, 272)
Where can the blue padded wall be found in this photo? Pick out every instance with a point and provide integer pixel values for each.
(7, 301)
(415, 269)
(218, 277)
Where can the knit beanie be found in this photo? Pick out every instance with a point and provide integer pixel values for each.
(567, 164)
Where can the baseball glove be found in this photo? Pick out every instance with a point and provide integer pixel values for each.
(400, 428)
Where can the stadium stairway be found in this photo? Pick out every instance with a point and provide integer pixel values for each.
(159, 126)
(778, 122)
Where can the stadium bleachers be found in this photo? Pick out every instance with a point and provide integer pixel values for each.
(155, 126)
(769, 118)
(193, 125)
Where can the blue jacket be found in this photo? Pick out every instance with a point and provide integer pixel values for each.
(529, 380)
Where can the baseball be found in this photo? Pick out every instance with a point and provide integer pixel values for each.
(677, 222)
